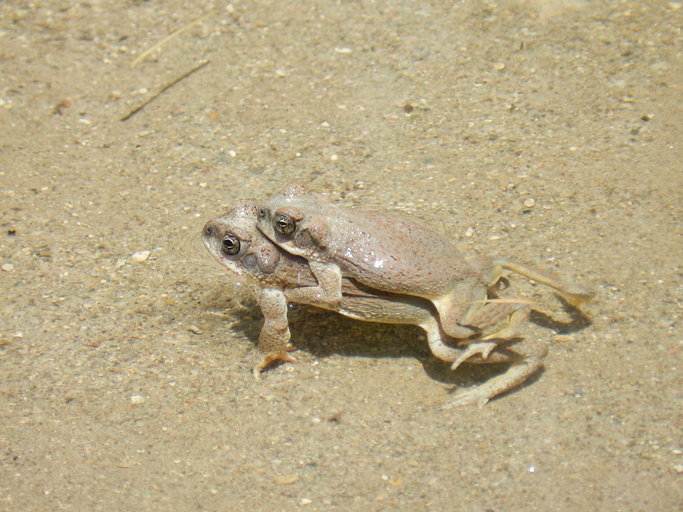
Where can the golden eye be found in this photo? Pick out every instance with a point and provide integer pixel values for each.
(231, 245)
(284, 225)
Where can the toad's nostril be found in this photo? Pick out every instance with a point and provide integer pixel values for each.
(263, 213)
(208, 231)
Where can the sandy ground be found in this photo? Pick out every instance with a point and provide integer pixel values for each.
(461, 114)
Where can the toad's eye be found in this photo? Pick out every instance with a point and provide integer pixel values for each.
(284, 225)
(231, 245)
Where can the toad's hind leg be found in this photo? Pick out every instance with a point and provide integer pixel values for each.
(478, 349)
(526, 357)
(498, 322)
(435, 338)
(454, 306)
(571, 292)
(499, 318)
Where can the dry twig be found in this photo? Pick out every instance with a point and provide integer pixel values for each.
(162, 90)
(166, 39)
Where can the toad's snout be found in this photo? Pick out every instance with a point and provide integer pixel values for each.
(210, 230)
(263, 215)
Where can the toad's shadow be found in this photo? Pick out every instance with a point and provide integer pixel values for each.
(323, 333)
(578, 320)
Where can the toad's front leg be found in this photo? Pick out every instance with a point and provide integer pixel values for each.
(273, 343)
(328, 293)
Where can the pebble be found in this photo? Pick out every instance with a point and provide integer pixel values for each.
(286, 479)
(469, 232)
(529, 203)
(7, 267)
(140, 256)
(137, 399)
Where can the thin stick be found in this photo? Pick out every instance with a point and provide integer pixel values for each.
(504, 301)
(163, 90)
(166, 39)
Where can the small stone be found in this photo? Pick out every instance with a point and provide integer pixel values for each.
(469, 232)
(662, 65)
(306, 501)
(137, 399)
(140, 256)
(529, 203)
(499, 66)
(286, 479)
(232, 153)
(194, 329)
(7, 267)
(564, 338)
